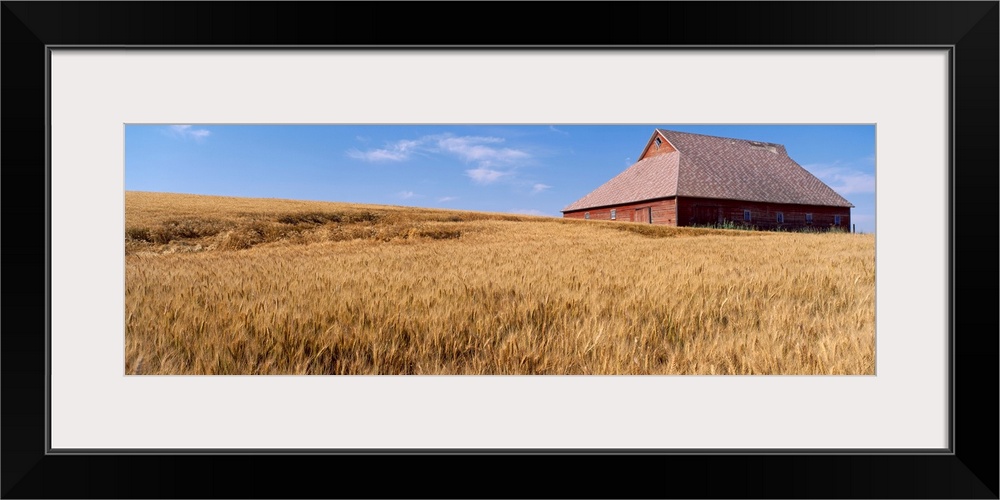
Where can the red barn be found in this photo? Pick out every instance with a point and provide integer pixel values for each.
(684, 179)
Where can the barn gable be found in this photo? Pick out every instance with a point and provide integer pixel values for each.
(658, 144)
(702, 166)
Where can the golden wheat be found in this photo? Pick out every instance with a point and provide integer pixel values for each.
(247, 286)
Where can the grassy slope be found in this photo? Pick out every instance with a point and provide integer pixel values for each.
(233, 285)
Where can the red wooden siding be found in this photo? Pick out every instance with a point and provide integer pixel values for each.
(664, 211)
(703, 211)
(707, 211)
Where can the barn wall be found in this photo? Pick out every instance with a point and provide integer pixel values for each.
(704, 211)
(664, 212)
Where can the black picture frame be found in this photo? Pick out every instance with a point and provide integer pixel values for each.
(968, 470)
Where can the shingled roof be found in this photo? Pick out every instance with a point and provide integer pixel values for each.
(705, 166)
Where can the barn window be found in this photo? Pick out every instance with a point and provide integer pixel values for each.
(614, 214)
(836, 220)
(658, 141)
(781, 218)
(809, 218)
(586, 215)
(746, 215)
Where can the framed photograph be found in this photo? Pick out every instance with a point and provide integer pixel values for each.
(79, 87)
(448, 249)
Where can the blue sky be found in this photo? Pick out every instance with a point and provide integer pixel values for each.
(527, 169)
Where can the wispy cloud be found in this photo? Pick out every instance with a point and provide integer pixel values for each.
(188, 132)
(399, 151)
(538, 188)
(479, 149)
(844, 177)
(406, 194)
(553, 129)
(529, 211)
(446, 198)
(493, 161)
(483, 175)
(466, 148)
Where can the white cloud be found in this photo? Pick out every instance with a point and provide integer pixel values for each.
(843, 178)
(399, 151)
(376, 155)
(447, 198)
(538, 188)
(483, 151)
(529, 211)
(553, 129)
(473, 148)
(483, 175)
(406, 194)
(187, 132)
(493, 161)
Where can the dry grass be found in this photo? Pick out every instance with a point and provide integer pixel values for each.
(242, 286)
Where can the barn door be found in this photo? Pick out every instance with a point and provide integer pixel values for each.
(644, 214)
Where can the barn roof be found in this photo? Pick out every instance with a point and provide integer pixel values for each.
(705, 166)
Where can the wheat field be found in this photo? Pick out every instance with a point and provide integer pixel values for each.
(217, 285)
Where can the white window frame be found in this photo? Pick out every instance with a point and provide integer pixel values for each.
(586, 215)
(614, 214)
